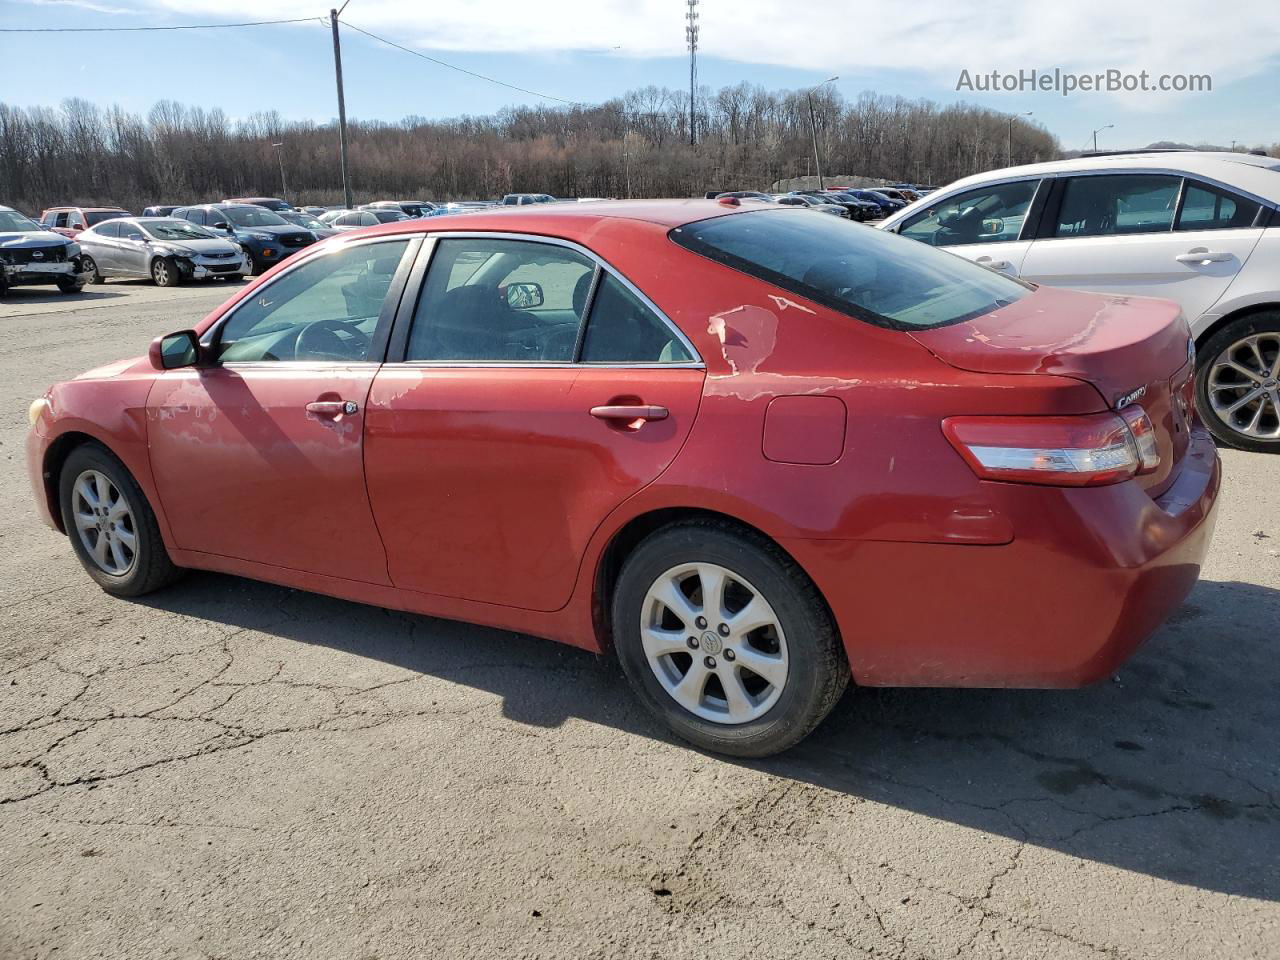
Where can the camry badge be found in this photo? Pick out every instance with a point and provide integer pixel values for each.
(1132, 397)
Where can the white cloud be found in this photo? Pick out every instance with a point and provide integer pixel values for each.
(937, 38)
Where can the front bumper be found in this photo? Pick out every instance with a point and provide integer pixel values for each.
(26, 273)
(36, 448)
(207, 269)
(1090, 575)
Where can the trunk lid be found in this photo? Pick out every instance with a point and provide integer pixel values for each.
(1130, 349)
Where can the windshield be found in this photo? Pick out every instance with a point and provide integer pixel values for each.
(878, 277)
(98, 216)
(11, 221)
(304, 220)
(252, 217)
(174, 230)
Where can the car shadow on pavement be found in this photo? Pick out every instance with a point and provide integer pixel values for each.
(1170, 769)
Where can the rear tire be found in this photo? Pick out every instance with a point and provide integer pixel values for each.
(1252, 344)
(92, 266)
(111, 526)
(688, 685)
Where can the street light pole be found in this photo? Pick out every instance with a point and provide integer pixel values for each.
(813, 127)
(284, 189)
(342, 103)
(1098, 131)
(1008, 144)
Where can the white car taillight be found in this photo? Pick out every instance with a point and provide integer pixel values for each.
(1084, 451)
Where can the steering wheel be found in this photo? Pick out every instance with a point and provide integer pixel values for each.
(333, 339)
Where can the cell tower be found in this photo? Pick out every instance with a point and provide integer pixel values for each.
(691, 37)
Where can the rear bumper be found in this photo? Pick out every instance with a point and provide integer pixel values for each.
(1090, 575)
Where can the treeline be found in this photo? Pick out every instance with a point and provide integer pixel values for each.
(638, 145)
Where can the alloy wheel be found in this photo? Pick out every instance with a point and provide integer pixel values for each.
(714, 643)
(1244, 386)
(162, 272)
(104, 522)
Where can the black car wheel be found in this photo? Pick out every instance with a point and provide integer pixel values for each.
(69, 285)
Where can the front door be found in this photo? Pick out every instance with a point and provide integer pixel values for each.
(1127, 234)
(512, 424)
(986, 225)
(259, 455)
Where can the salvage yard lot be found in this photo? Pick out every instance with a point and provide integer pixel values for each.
(233, 769)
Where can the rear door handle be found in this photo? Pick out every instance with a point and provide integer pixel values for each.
(1202, 255)
(630, 412)
(332, 408)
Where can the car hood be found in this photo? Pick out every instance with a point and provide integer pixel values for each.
(211, 245)
(26, 239)
(118, 368)
(278, 230)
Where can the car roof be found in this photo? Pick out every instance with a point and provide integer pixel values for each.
(575, 219)
(1257, 175)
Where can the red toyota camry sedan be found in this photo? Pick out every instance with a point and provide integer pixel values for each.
(751, 452)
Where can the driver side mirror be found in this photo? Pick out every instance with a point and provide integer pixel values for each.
(524, 296)
(175, 350)
(222, 225)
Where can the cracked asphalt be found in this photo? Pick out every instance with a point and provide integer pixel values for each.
(230, 769)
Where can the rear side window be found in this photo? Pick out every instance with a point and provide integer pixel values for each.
(1209, 208)
(873, 275)
(989, 215)
(109, 230)
(622, 329)
(1117, 205)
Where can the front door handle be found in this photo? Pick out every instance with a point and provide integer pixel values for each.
(630, 412)
(1202, 255)
(994, 264)
(332, 408)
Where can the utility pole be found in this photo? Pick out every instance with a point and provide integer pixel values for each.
(1098, 131)
(813, 128)
(691, 38)
(1008, 144)
(284, 189)
(342, 104)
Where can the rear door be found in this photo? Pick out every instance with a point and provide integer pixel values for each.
(988, 225)
(101, 245)
(533, 390)
(1144, 234)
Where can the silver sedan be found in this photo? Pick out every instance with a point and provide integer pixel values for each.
(165, 249)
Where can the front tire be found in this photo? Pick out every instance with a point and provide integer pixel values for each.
(1238, 383)
(164, 272)
(726, 640)
(111, 526)
(70, 286)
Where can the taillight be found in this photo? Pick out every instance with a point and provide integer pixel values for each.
(1085, 451)
(1143, 432)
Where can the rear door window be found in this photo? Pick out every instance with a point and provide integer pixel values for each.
(1117, 205)
(873, 275)
(1205, 207)
(622, 329)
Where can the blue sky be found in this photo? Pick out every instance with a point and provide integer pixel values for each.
(591, 49)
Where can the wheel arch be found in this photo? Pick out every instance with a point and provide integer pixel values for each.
(629, 536)
(1240, 313)
(54, 457)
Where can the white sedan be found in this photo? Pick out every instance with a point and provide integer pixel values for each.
(1199, 228)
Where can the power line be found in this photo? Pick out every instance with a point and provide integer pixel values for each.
(470, 73)
(185, 26)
